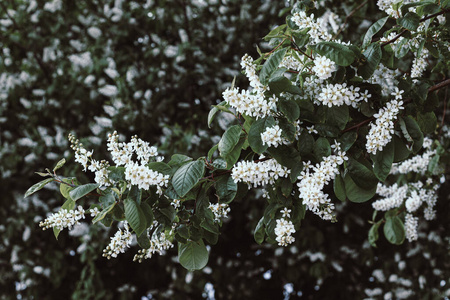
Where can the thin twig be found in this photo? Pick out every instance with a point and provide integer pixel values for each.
(359, 124)
(439, 85)
(348, 18)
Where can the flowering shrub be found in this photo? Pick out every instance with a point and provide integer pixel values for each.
(324, 121)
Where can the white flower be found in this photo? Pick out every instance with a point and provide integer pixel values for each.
(258, 173)
(284, 230)
(219, 210)
(63, 219)
(119, 242)
(323, 67)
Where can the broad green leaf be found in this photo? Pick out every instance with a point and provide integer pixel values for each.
(402, 48)
(286, 155)
(66, 188)
(178, 159)
(347, 140)
(259, 231)
(160, 167)
(327, 130)
(382, 161)
(286, 187)
(405, 7)
(187, 176)
(281, 84)
(212, 151)
(373, 56)
(290, 109)
(103, 213)
(36, 187)
(373, 234)
(254, 135)
(431, 8)
(338, 116)
(271, 65)
(135, 216)
(355, 193)
(107, 199)
(339, 188)
(322, 148)
(372, 31)
(276, 32)
(116, 173)
(148, 213)
(342, 55)
(409, 21)
(427, 122)
(434, 162)
(288, 130)
(226, 189)
(361, 174)
(401, 152)
(213, 112)
(59, 164)
(229, 139)
(394, 231)
(143, 240)
(193, 255)
(82, 190)
(411, 131)
(305, 143)
(235, 153)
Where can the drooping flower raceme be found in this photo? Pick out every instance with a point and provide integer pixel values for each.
(323, 67)
(314, 178)
(284, 229)
(258, 173)
(63, 219)
(272, 136)
(158, 244)
(381, 132)
(220, 210)
(119, 242)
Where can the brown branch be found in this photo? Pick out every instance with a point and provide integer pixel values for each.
(359, 124)
(421, 20)
(439, 85)
(348, 18)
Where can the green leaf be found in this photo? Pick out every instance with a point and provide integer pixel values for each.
(357, 194)
(286, 155)
(177, 160)
(212, 151)
(338, 116)
(226, 189)
(361, 174)
(339, 188)
(103, 213)
(405, 7)
(254, 135)
(135, 216)
(82, 190)
(327, 130)
(187, 176)
(290, 109)
(394, 231)
(160, 167)
(409, 21)
(234, 155)
(305, 143)
(347, 140)
(276, 32)
(401, 152)
(411, 131)
(373, 234)
(373, 30)
(427, 122)
(59, 164)
(373, 56)
(322, 148)
(148, 213)
(382, 161)
(281, 84)
(213, 112)
(66, 188)
(193, 255)
(259, 231)
(143, 240)
(271, 65)
(288, 130)
(36, 187)
(116, 173)
(342, 55)
(229, 139)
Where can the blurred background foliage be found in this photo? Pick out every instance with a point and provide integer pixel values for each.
(154, 68)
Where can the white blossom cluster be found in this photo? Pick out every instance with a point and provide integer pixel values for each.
(384, 77)
(386, 6)
(158, 244)
(339, 94)
(381, 132)
(419, 64)
(84, 157)
(144, 177)
(323, 67)
(252, 103)
(258, 173)
(283, 231)
(418, 163)
(220, 210)
(119, 242)
(393, 196)
(63, 219)
(411, 224)
(122, 153)
(314, 178)
(292, 63)
(318, 28)
(272, 137)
